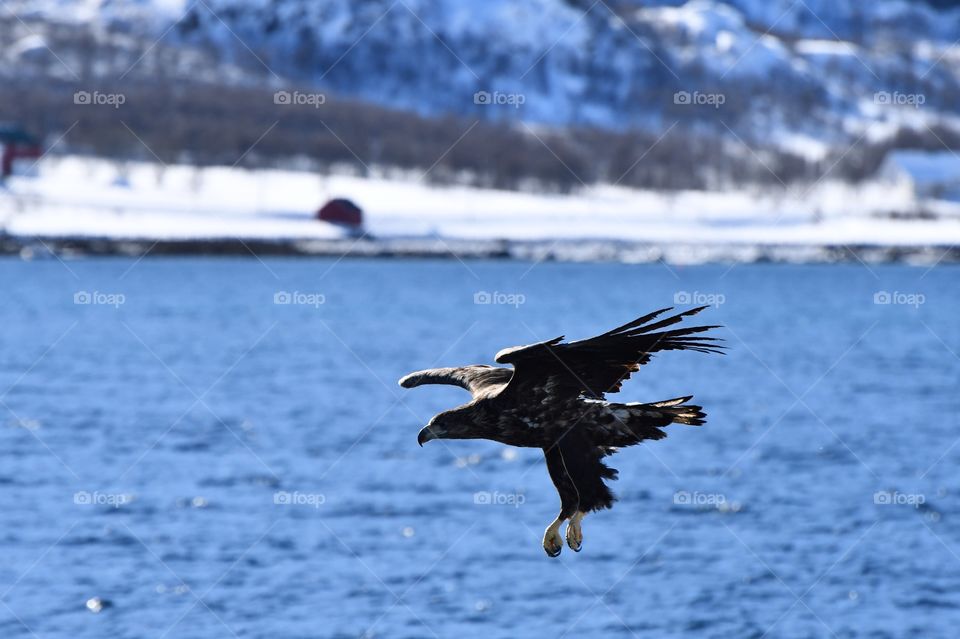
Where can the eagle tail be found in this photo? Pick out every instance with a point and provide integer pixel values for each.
(676, 410)
(637, 422)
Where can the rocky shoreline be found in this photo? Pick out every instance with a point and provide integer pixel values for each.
(441, 248)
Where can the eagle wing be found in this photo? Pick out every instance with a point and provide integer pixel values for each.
(599, 365)
(478, 379)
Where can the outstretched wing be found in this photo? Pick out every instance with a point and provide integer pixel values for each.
(599, 365)
(478, 379)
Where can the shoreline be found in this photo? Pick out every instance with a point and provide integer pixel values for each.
(78, 205)
(622, 251)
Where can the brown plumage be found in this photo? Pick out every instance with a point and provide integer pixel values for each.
(554, 399)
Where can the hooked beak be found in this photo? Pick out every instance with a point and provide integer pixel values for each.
(426, 434)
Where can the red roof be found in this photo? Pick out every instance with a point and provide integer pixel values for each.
(341, 211)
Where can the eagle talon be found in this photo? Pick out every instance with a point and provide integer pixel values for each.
(575, 533)
(552, 541)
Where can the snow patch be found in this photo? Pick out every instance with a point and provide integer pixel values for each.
(83, 197)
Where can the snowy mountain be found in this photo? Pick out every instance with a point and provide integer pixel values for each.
(753, 121)
(806, 75)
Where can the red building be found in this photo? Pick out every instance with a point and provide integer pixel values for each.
(343, 212)
(16, 144)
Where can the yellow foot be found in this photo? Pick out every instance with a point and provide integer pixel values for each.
(552, 541)
(574, 532)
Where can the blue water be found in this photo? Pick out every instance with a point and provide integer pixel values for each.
(143, 446)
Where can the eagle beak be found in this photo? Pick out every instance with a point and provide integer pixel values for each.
(426, 434)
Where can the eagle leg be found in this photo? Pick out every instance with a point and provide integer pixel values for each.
(574, 532)
(552, 541)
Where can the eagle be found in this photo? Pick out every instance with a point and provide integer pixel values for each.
(554, 398)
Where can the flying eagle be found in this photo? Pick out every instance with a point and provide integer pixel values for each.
(554, 398)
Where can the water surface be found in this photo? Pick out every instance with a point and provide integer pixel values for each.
(147, 437)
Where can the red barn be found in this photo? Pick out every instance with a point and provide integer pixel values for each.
(341, 211)
(15, 144)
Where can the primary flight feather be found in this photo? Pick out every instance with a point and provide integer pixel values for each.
(554, 398)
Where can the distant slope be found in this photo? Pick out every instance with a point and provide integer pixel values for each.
(809, 67)
(805, 76)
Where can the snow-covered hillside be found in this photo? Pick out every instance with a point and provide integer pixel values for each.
(82, 197)
(795, 71)
(766, 105)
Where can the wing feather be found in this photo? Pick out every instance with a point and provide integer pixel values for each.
(598, 365)
(477, 378)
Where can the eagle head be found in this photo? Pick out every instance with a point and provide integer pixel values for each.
(451, 424)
